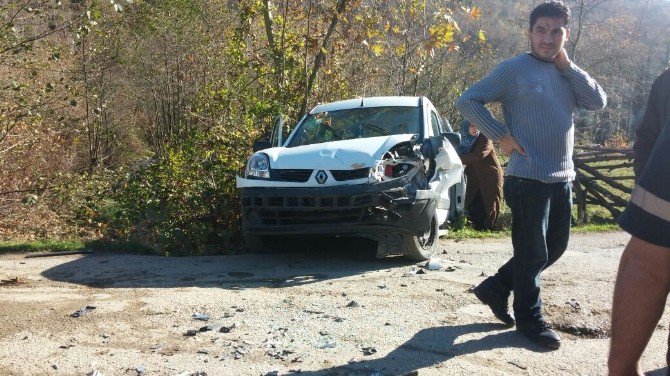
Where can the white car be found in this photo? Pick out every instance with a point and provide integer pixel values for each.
(383, 168)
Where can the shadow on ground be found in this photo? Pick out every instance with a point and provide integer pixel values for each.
(337, 259)
(430, 347)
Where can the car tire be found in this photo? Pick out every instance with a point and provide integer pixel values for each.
(420, 248)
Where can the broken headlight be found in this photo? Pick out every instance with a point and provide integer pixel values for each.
(392, 169)
(258, 167)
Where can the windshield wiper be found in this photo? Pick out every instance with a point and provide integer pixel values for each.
(377, 128)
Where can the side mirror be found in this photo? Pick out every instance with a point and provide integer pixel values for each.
(454, 138)
(260, 145)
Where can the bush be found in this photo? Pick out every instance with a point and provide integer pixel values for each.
(184, 203)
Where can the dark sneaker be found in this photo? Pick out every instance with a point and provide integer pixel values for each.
(496, 299)
(540, 333)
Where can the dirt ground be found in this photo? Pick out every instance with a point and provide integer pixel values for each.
(329, 312)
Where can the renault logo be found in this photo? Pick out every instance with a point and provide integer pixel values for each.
(321, 177)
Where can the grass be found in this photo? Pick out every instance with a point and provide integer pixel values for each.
(600, 220)
(73, 245)
(596, 227)
(41, 246)
(470, 233)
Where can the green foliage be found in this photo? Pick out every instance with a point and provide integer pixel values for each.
(470, 233)
(89, 88)
(41, 246)
(48, 245)
(183, 203)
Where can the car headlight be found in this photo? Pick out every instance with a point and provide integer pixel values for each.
(258, 167)
(377, 172)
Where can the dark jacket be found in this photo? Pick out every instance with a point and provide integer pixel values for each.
(655, 117)
(485, 180)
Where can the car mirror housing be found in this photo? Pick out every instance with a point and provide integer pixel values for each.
(454, 138)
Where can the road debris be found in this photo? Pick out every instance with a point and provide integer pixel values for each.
(82, 311)
(227, 329)
(352, 304)
(207, 328)
(312, 311)
(200, 316)
(239, 351)
(327, 345)
(574, 303)
(190, 333)
(335, 318)
(12, 281)
(369, 350)
(279, 354)
(517, 364)
(434, 264)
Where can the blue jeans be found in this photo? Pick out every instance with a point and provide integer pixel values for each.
(541, 215)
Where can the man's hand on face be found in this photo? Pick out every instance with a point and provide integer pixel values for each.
(508, 145)
(562, 60)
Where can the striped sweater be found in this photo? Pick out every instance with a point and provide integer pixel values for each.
(538, 103)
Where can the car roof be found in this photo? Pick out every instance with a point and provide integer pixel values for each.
(368, 102)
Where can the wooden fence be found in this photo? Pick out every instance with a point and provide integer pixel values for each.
(604, 178)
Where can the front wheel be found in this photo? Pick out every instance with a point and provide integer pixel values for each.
(420, 248)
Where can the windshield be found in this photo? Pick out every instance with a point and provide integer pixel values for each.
(356, 123)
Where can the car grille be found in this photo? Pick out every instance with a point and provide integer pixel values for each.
(303, 175)
(301, 210)
(342, 175)
(291, 175)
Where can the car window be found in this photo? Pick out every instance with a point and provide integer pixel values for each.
(356, 123)
(435, 123)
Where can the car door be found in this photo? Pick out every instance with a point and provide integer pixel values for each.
(448, 166)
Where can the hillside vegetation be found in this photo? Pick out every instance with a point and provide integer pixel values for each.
(129, 120)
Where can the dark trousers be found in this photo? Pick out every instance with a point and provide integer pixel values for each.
(541, 214)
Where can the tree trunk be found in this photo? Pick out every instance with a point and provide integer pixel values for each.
(318, 61)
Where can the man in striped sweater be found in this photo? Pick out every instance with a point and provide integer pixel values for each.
(539, 92)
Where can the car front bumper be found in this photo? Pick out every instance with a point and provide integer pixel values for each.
(337, 210)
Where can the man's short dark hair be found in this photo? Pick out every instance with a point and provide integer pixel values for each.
(550, 9)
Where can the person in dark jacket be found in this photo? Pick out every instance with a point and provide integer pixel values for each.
(485, 179)
(643, 280)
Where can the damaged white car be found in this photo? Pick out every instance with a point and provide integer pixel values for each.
(382, 168)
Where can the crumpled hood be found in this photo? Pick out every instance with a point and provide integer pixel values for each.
(336, 155)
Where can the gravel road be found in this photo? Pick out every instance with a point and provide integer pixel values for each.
(333, 311)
